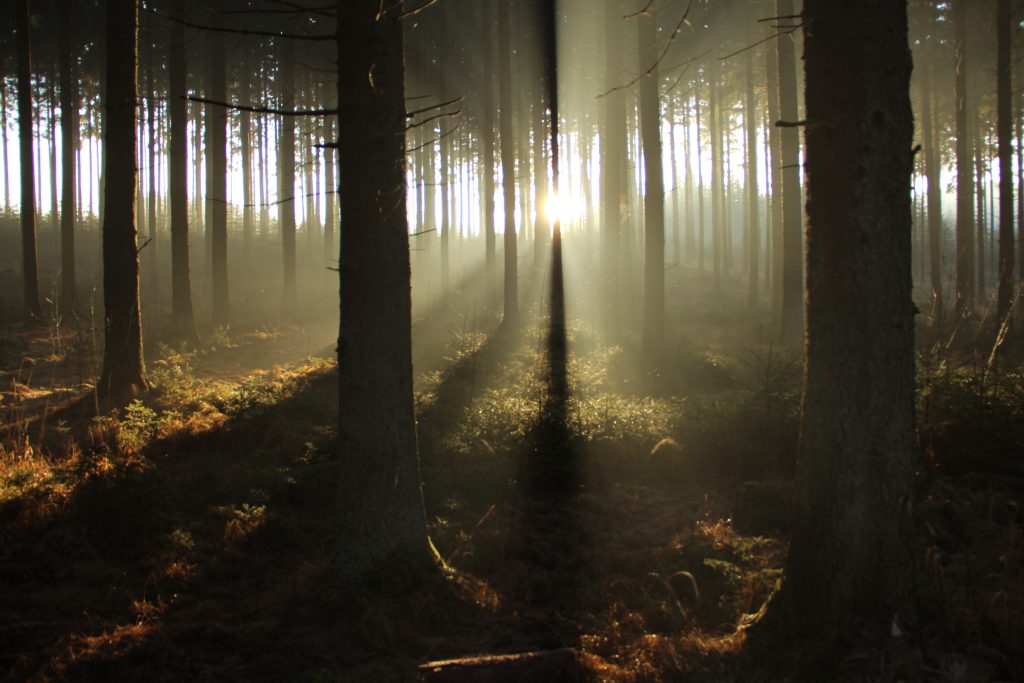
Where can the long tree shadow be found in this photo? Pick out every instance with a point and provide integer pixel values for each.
(552, 540)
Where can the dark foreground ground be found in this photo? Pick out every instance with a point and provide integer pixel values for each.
(639, 515)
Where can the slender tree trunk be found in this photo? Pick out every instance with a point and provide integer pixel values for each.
(701, 218)
(286, 165)
(850, 555)
(1005, 131)
(123, 370)
(487, 140)
(964, 172)
(3, 137)
(51, 124)
(753, 219)
(613, 152)
(331, 189)
(29, 262)
(68, 126)
(981, 222)
(654, 189)
(153, 129)
(381, 523)
(932, 164)
(245, 135)
(717, 191)
(182, 316)
(674, 166)
(792, 214)
(507, 141)
(216, 178)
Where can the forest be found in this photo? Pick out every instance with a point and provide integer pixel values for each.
(467, 341)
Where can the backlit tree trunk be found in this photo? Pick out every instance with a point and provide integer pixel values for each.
(29, 261)
(216, 178)
(654, 188)
(123, 371)
(508, 144)
(964, 172)
(1004, 115)
(850, 556)
(381, 526)
(792, 215)
(68, 126)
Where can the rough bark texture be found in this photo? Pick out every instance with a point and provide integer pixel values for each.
(1004, 125)
(123, 372)
(381, 526)
(850, 556)
(753, 219)
(792, 215)
(68, 126)
(964, 172)
(508, 170)
(654, 188)
(182, 316)
(29, 261)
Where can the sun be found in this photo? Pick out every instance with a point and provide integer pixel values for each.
(562, 207)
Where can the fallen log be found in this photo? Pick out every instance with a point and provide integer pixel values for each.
(549, 666)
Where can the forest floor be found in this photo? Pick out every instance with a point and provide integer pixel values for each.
(188, 535)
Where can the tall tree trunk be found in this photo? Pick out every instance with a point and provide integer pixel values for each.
(245, 135)
(964, 172)
(216, 178)
(753, 219)
(381, 523)
(613, 154)
(717, 192)
(850, 554)
(152, 253)
(331, 189)
(701, 217)
(654, 189)
(932, 157)
(507, 141)
(182, 317)
(775, 144)
(3, 137)
(123, 371)
(68, 126)
(286, 170)
(487, 140)
(29, 261)
(981, 221)
(674, 166)
(792, 203)
(1005, 131)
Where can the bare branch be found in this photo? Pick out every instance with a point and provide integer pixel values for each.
(261, 110)
(241, 31)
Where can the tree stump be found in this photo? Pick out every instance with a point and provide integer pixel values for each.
(550, 666)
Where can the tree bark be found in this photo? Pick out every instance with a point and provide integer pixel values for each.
(382, 530)
(286, 169)
(792, 213)
(932, 163)
(123, 371)
(1004, 124)
(964, 172)
(654, 189)
(753, 219)
(68, 127)
(182, 316)
(487, 140)
(613, 154)
(29, 260)
(216, 177)
(850, 555)
(508, 144)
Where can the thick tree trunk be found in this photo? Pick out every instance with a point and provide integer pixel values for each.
(68, 126)
(216, 178)
(850, 557)
(182, 317)
(964, 172)
(1004, 124)
(381, 525)
(123, 371)
(29, 261)
(508, 172)
(654, 189)
(792, 279)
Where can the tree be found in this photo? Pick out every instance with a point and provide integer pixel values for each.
(381, 519)
(792, 218)
(29, 261)
(123, 370)
(508, 180)
(654, 188)
(613, 152)
(1005, 130)
(849, 555)
(183, 321)
(216, 177)
(286, 179)
(68, 129)
(487, 140)
(964, 172)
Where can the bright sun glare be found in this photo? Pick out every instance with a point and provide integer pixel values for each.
(562, 207)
